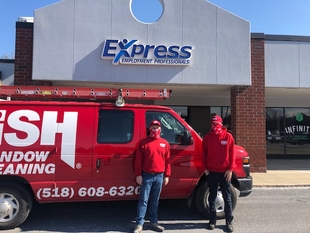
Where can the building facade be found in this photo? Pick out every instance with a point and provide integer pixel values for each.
(259, 83)
(6, 72)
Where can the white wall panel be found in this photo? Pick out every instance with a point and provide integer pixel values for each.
(287, 64)
(69, 38)
(53, 53)
(304, 50)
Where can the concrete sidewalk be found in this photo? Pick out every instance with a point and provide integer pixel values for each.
(284, 173)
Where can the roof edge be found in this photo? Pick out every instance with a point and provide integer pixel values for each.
(273, 37)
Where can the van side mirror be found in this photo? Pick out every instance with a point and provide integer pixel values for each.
(187, 138)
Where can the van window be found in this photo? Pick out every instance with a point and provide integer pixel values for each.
(115, 126)
(171, 129)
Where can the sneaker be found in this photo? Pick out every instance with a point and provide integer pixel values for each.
(138, 229)
(156, 227)
(211, 226)
(212, 221)
(229, 225)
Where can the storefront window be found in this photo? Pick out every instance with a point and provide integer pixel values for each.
(297, 131)
(181, 110)
(216, 111)
(226, 115)
(287, 129)
(287, 132)
(275, 132)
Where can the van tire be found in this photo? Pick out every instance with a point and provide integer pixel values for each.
(16, 204)
(202, 198)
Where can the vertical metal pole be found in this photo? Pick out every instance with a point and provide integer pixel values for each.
(284, 134)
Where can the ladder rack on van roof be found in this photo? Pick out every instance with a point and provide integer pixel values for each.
(51, 92)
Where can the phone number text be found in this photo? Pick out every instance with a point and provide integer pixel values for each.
(66, 192)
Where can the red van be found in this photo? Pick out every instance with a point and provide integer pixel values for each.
(53, 151)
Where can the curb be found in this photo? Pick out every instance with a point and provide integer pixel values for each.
(282, 186)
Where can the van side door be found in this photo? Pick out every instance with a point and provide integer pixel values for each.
(117, 137)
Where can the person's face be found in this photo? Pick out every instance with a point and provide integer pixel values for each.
(154, 127)
(216, 124)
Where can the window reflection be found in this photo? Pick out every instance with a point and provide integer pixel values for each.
(274, 131)
(288, 132)
(297, 131)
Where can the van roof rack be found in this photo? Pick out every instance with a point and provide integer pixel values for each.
(52, 92)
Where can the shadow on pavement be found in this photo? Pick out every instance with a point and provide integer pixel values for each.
(117, 216)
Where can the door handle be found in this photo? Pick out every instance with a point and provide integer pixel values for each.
(98, 162)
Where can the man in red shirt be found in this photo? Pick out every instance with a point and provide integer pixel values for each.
(219, 162)
(152, 169)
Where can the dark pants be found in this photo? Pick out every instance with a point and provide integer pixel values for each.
(214, 180)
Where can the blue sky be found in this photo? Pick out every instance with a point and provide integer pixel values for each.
(282, 17)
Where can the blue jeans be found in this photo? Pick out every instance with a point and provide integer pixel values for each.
(149, 192)
(214, 180)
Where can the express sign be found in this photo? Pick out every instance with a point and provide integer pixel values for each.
(132, 53)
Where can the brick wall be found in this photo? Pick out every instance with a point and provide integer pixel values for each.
(23, 56)
(248, 110)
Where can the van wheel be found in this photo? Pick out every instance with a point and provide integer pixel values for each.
(202, 200)
(15, 205)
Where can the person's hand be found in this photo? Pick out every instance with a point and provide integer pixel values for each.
(139, 180)
(228, 175)
(207, 172)
(166, 181)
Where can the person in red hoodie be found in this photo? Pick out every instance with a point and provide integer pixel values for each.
(219, 162)
(152, 170)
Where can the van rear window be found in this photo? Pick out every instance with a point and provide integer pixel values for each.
(115, 126)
